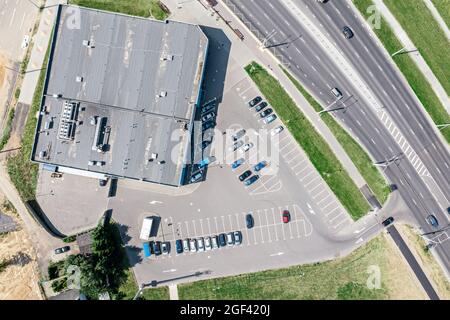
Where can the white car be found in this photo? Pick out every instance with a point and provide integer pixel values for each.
(215, 245)
(276, 130)
(25, 41)
(269, 119)
(208, 116)
(200, 245)
(247, 147)
(193, 245)
(186, 245)
(207, 243)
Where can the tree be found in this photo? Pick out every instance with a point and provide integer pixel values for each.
(3, 265)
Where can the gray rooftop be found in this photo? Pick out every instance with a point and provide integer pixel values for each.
(143, 76)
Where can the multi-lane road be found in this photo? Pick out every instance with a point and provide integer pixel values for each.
(396, 128)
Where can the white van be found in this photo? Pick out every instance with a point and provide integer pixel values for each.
(336, 93)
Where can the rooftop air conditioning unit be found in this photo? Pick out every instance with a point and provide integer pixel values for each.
(79, 79)
(163, 94)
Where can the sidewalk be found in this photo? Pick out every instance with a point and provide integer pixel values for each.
(173, 292)
(41, 40)
(438, 18)
(416, 56)
(244, 52)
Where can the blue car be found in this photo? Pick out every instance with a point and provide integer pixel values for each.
(251, 180)
(146, 247)
(237, 163)
(179, 246)
(260, 165)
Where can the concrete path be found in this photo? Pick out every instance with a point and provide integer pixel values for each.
(416, 56)
(173, 292)
(438, 17)
(41, 40)
(250, 50)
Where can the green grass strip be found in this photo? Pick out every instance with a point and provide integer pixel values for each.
(317, 149)
(357, 154)
(7, 131)
(415, 78)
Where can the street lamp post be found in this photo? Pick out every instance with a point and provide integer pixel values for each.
(443, 126)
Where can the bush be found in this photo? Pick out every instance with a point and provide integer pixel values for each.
(69, 239)
(56, 269)
(59, 285)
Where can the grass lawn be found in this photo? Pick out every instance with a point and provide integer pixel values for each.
(443, 6)
(142, 8)
(160, 293)
(359, 157)
(344, 278)
(415, 78)
(317, 149)
(426, 34)
(7, 130)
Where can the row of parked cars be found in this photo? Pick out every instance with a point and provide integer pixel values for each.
(208, 243)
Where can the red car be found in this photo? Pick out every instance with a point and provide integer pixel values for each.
(286, 216)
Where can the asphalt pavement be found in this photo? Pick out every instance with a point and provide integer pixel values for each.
(409, 139)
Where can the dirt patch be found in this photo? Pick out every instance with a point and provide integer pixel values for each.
(2, 70)
(19, 280)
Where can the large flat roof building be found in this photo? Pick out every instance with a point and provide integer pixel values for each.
(120, 95)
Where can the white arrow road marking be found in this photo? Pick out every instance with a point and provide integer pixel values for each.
(358, 231)
(359, 240)
(310, 209)
(276, 254)
(171, 270)
(155, 202)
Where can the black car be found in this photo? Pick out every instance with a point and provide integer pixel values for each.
(249, 221)
(348, 33)
(62, 250)
(245, 175)
(156, 246)
(266, 112)
(206, 143)
(208, 125)
(393, 187)
(388, 221)
(261, 106)
(448, 210)
(179, 246)
(102, 182)
(255, 101)
(222, 240)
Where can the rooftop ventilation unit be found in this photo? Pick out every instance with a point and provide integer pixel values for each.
(163, 94)
(79, 79)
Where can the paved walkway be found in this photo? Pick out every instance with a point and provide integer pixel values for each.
(438, 17)
(41, 40)
(173, 292)
(249, 50)
(416, 56)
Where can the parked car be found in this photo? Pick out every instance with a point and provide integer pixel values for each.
(236, 145)
(214, 242)
(266, 112)
(251, 180)
(193, 245)
(245, 175)
(156, 247)
(261, 106)
(208, 116)
(179, 246)
(348, 33)
(206, 143)
(196, 177)
(270, 119)
(208, 108)
(200, 244)
(276, 130)
(249, 221)
(165, 247)
(25, 41)
(388, 221)
(286, 215)
(62, 250)
(237, 237)
(238, 135)
(222, 240)
(102, 182)
(254, 101)
(146, 248)
(260, 165)
(448, 210)
(208, 243)
(208, 125)
(247, 147)
(186, 245)
(431, 219)
(237, 163)
(230, 239)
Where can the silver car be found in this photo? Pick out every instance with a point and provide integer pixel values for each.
(193, 245)
(207, 243)
(200, 245)
(230, 239)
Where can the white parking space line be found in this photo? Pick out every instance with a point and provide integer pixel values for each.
(268, 225)
(261, 229)
(274, 223)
